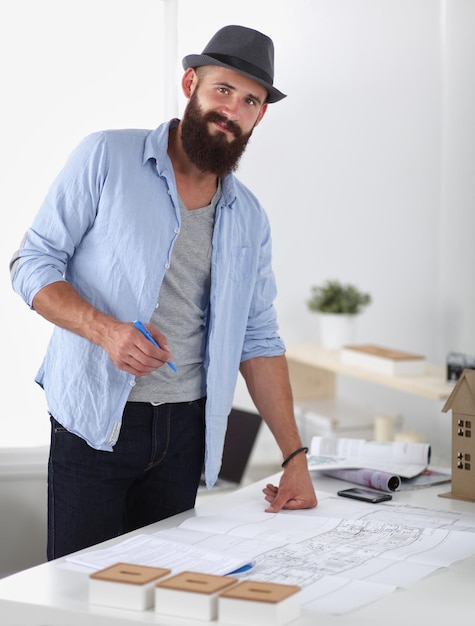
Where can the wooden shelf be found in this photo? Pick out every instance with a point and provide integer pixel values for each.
(313, 369)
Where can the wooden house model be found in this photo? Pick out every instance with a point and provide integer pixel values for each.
(462, 403)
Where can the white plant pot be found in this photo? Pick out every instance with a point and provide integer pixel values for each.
(337, 330)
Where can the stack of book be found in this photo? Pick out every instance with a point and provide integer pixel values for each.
(384, 360)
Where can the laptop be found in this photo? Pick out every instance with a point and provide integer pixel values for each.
(241, 435)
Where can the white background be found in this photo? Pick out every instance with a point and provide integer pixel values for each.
(366, 169)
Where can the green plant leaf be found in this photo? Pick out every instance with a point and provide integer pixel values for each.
(336, 297)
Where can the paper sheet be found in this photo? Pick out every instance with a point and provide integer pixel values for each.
(160, 552)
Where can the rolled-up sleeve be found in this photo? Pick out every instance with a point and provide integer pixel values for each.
(262, 332)
(65, 215)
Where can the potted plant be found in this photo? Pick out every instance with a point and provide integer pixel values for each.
(338, 305)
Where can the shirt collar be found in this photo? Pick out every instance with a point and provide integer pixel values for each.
(156, 144)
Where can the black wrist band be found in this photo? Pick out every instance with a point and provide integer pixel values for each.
(291, 456)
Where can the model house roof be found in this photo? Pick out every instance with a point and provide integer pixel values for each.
(462, 398)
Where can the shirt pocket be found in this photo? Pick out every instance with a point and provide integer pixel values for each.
(240, 264)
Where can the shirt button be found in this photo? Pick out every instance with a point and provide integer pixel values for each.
(132, 383)
(157, 305)
(176, 230)
(167, 266)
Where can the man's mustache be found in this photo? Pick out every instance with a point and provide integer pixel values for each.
(212, 116)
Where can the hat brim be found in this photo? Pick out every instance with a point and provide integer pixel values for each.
(196, 60)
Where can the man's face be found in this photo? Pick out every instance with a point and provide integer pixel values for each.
(223, 110)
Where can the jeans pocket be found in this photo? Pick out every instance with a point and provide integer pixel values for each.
(199, 406)
(56, 426)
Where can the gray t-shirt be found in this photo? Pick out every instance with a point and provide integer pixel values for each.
(181, 313)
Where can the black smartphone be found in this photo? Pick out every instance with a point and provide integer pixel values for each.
(366, 495)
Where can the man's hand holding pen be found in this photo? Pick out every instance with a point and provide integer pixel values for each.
(136, 352)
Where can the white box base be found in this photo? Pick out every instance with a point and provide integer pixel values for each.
(191, 595)
(125, 586)
(281, 606)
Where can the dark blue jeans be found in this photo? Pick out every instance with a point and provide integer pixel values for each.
(153, 473)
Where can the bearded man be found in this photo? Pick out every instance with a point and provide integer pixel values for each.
(154, 226)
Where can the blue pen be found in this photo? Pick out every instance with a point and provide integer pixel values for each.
(145, 333)
(243, 570)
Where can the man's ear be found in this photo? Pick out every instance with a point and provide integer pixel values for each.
(261, 114)
(189, 82)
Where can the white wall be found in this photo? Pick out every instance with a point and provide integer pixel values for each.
(23, 495)
(365, 169)
(68, 68)
(455, 322)
(356, 167)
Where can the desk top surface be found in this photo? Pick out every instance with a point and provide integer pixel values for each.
(55, 594)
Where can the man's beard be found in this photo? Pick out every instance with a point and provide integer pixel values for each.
(211, 153)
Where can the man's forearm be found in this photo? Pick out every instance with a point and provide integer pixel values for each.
(268, 382)
(61, 304)
(267, 379)
(127, 348)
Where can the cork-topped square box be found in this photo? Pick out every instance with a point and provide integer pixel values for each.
(191, 594)
(254, 602)
(125, 586)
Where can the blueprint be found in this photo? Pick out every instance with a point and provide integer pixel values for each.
(340, 561)
(343, 554)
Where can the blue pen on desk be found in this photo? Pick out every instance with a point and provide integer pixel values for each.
(243, 570)
(139, 326)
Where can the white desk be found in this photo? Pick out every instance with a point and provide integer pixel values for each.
(52, 594)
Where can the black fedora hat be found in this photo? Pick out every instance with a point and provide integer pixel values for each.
(243, 50)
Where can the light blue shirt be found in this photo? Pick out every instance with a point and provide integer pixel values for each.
(108, 226)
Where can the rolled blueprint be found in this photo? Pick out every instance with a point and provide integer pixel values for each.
(368, 477)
